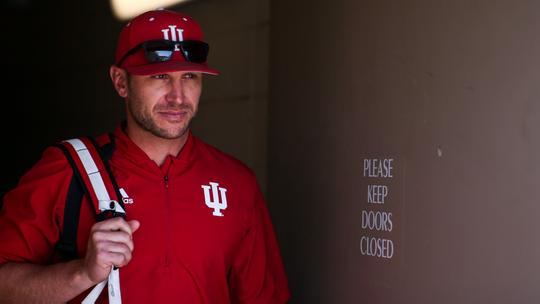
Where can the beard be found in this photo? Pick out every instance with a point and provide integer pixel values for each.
(142, 116)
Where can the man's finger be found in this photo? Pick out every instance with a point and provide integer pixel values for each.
(113, 258)
(120, 237)
(116, 223)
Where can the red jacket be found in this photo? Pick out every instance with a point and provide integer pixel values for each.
(184, 251)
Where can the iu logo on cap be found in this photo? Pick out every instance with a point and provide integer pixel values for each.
(215, 202)
(176, 34)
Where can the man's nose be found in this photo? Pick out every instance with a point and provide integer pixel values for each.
(176, 91)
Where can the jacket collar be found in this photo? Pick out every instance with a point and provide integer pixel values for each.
(129, 150)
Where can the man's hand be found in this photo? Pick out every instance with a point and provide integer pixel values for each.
(110, 244)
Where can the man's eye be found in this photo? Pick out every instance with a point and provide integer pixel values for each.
(192, 75)
(159, 76)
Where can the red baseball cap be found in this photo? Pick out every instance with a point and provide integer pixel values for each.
(159, 25)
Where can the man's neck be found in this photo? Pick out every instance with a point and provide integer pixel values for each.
(157, 149)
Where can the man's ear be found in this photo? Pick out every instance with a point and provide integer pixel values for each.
(120, 80)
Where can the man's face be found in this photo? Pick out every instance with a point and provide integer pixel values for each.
(163, 104)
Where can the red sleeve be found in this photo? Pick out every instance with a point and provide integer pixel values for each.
(31, 215)
(258, 275)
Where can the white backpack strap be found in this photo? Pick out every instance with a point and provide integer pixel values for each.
(114, 289)
(105, 204)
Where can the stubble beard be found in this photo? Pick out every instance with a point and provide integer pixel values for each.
(143, 118)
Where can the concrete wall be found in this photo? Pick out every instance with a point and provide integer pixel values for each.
(234, 105)
(446, 89)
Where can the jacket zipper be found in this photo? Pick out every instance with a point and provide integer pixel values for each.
(168, 227)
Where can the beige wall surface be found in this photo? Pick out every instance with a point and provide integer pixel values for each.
(234, 105)
(447, 90)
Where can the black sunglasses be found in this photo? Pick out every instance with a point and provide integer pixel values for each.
(162, 50)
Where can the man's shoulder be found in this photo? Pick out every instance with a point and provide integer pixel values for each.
(220, 159)
(51, 169)
(53, 155)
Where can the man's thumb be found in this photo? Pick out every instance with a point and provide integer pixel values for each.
(134, 225)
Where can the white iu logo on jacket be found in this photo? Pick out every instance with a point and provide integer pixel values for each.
(215, 202)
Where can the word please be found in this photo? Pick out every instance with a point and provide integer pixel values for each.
(374, 167)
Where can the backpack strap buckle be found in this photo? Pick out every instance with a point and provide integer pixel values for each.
(109, 209)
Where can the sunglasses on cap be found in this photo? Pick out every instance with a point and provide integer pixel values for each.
(162, 50)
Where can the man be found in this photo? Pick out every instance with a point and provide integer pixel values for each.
(196, 229)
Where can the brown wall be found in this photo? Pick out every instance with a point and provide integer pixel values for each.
(449, 91)
(234, 105)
